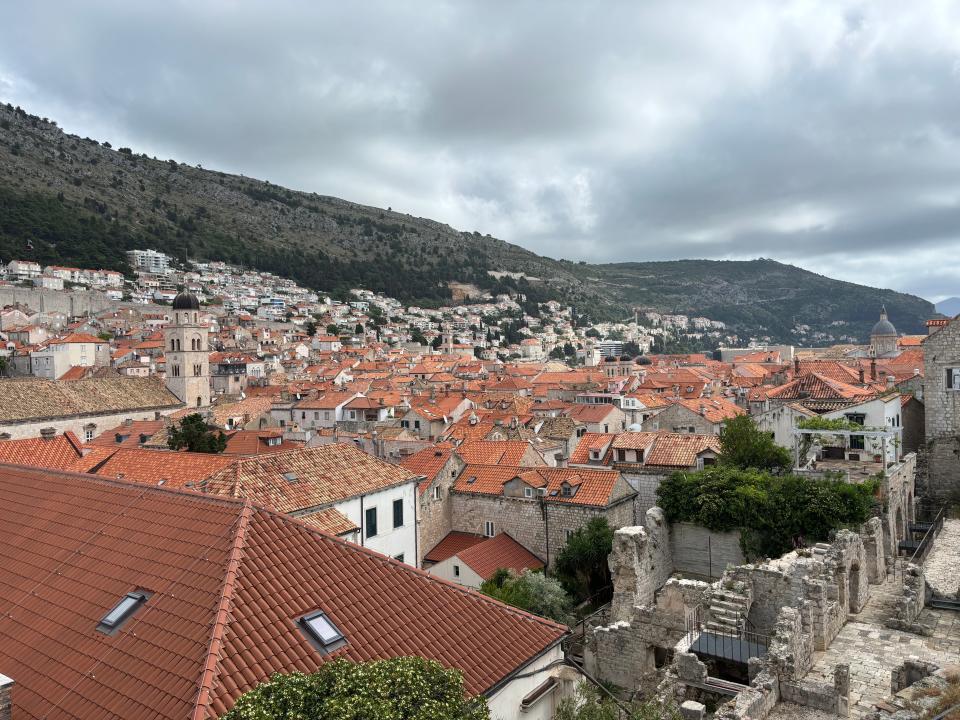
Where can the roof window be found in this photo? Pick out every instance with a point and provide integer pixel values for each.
(322, 633)
(122, 611)
(290, 477)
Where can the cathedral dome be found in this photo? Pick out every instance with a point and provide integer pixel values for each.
(883, 326)
(186, 301)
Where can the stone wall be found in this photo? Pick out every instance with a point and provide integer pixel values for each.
(872, 535)
(700, 552)
(72, 303)
(646, 486)
(527, 520)
(912, 600)
(435, 517)
(942, 411)
(829, 697)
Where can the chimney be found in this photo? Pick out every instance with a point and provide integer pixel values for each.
(6, 685)
(861, 376)
(156, 415)
(873, 368)
(891, 381)
(796, 365)
(48, 433)
(128, 422)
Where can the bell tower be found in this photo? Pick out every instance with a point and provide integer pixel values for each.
(187, 353)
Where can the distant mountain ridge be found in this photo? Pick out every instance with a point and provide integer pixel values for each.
(949, 307)
(70, 200)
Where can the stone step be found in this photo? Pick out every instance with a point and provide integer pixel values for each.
(721, 629)
(735, 615)
(727, 605)
(730, 596)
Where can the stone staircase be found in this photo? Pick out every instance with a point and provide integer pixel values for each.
(727, 609)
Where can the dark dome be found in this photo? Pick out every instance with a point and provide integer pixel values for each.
(884, 327)
(186, 301)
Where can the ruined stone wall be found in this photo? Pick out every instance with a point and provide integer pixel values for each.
(701, 552)
(912, 599)
(871, 533)
(72, 303)
(525, 522)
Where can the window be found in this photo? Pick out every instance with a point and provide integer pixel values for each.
(566, 490)
(316, 415)
(953, 378)
(488, 528)
(437, 492)
(322, 633)
(528, 492)
(88, 434)
(416, 424)
(326, 414)
(567, 533)
(856, 442)
(456, 571)
(122, 611)
(398, 513)
(370, 520)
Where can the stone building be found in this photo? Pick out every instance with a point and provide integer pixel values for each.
(941, 400)
(539, 507)
(439, 466)
(187, 352)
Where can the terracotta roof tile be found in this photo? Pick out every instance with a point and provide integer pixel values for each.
(594, 487)
(502, 551)
(34, 399)
(63, 452)
(453, 543)
(229, 581)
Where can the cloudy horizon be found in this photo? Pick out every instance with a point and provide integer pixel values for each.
(819, 133)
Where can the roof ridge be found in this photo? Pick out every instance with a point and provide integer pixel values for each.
(212, 663)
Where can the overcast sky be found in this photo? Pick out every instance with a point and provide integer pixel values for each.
(819, 133)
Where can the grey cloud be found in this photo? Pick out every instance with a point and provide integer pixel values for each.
(824, 133)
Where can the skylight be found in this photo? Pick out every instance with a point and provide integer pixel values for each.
(321, 631)
(290, 477)
(122, 611)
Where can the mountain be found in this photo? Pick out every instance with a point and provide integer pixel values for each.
(77, 201)
(949, 307)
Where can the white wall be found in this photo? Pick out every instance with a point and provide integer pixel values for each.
(31, 429)
(444, 570)
(388, 540)
(505, 704)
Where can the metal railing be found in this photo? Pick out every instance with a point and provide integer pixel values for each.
(931, 529)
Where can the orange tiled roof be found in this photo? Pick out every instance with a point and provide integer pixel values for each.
(306, 478)
(153, 467)
(453, 543)
(427, 462)
(228, 582)
(502, 551)
(680, 450)
(714, 410)
(595, 487)
(493, 452)
(330, 520)
(589, 441)
(62, 452)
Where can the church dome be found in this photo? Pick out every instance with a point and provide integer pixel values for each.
(883, 326)
(186, 301)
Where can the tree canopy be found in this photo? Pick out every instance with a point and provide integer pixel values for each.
(774, 513)
(582, 563)
(744, 445)
(195, 435)
(405, 688)
(531, 591)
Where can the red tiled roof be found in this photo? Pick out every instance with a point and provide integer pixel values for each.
(502, 551)
(680, 450)
(330, 520)
(589, 441)
(454, 543)
(427, 462)
(714, 410)
(306, 478)
(130, 434)
(256, 442)
(494, 452)
(228, 581)
(63, 452)
(174, 469)
(594, 487)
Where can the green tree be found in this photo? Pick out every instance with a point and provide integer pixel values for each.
(569, 350)
(582, 563)
(405, 688)
(417, 337)
(592, 333)
(358, 330)
(530, 591)
(333, 329)
(744, 445)
(195, 435)
(105, 336)
(311, 328)
(437, 342)
(592, 703)
(557, 353)
(631, 348)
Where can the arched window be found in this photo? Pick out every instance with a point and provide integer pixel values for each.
(173, 344)
(199, 401)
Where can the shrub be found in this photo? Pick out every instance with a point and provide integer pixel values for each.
(530, 591)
